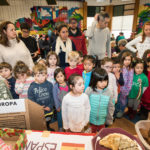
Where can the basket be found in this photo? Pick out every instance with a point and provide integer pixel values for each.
(144, 124)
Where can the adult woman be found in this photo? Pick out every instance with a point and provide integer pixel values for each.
(11, 48)
(63, 45)
(142, 43)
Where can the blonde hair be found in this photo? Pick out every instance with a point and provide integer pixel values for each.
(73, 55)
(39, 68)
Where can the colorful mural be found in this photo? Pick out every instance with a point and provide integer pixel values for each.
(48, 17)
(143, 16)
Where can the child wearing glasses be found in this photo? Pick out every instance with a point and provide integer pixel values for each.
(107, 64)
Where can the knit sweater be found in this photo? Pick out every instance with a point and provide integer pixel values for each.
(16, 52)
(99, 41)
(141, 47)
(75, 112)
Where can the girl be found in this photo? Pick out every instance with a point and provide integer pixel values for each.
(107, 64)
(145, 100)
(125, 89)
(59, 91)
(75, 106)
(139, 84)
(52, 61)
(102, 107)
(142, 42)
(89, 63)
(22, 74)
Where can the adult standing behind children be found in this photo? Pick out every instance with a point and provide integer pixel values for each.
(142, 42)
(11, 48)
(77, 36)
(63, 45)
(99, 36)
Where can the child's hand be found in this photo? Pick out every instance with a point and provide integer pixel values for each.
(58, 109)
(47, 108)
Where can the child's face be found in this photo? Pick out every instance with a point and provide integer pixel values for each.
(108, 66)
(5, 73)
(22, 76)
(80, 60)
(52, 60)
(72, 63)
(40, 77)
(127, 61)
(60, 78)
(101, 84)
(139, 68)
(78, 88)
(116, 68)
(88, 65)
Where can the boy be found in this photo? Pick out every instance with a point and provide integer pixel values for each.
(80, 62)
(6, 73)
(41, 92)
(73, 59)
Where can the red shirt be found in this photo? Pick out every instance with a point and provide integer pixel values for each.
(69, 71)
(81, 68)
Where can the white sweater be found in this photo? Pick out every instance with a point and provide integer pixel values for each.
(140, 47)
(16, 52)
(75, 112)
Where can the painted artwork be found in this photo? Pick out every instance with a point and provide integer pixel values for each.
(143, 16)
(48, 17)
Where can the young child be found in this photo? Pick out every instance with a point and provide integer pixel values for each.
(42, 61)
(127, 72)
(75, 106)
(107, 64)
(117, 72)
(59, 91)
(6, 72)
(24, 79)
(102, 107)
(89, 63)
(73, 58)
(145, 100)
(139, 84)
(41, 91)
(80, 62)
(52, 61)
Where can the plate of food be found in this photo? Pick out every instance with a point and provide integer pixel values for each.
(116, 139)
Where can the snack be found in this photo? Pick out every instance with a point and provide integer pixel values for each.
(146, 134)
(116, 141)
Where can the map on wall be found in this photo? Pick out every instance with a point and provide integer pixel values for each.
(48, 17)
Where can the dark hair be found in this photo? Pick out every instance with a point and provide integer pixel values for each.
(147, 52)
(80, 53)
(98, 74)
(58, 70)
(73, 79)
(25, 26)
(91, 58)
(47, 58)
(72, 19)
(145, 65)
(137, 61)
(116, 60)
(126, 54)
(103, 15)
(62, 26)
(3, 37)
(5, 65)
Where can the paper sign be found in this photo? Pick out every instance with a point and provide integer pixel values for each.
(12, 106)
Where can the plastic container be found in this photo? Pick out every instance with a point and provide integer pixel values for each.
(143, 124)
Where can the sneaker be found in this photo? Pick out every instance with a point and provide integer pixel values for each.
(119, 114)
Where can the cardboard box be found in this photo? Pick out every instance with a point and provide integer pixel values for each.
(21, 114)
(12, 139)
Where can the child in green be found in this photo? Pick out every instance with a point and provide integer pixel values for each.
(139, 85)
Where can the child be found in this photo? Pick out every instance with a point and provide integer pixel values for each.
(75, 106)
(80, 62)
(42, 61)
(145, 100)
(41, 91)
(139, 84)
(107, 64)
(73, 58)
(6, 72)
(127, 72)
(102, 107)
(117, 72)
(59, 91)
(22, 74)
(52, 61)
(89, 63)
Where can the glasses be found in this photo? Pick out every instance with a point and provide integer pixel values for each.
(108, 67)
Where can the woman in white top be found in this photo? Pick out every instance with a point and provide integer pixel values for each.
(11, 48)
(142, 43)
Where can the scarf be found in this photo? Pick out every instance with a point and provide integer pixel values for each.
(66, 49)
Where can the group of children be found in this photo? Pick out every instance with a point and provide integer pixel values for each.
(83, 92)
